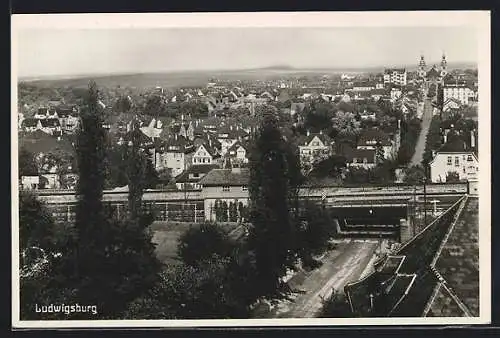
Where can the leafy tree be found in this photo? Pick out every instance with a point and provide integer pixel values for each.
(224, 210)
(272, 185)
(209, 290)
(164, 177)
(110, 261)
(27, 163)
(243, 212)
(433, 140)
(154, 106)
(122, 105)
(117, 166)
(345, 124)
(379, 153)
(409, 138)
(200, 243)
(330, 167)
(233, 212)
(315, 232)
(414, 175)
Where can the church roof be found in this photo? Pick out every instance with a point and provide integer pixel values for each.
(433, 73)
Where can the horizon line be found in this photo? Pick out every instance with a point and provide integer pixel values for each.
(284, 67)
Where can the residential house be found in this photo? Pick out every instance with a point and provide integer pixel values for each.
(297, 108)
(368, 116)
(363, 86)
(177, 155)
(153, 130)
(378, 93)
(41, 113)
(71, 123)
(202, 155)
(373, 139)
(31, 125)
(227, 137)
(460, 91)
(30, 182)
(68, 118)
(451, 103)
(229, 186)
(395, 94)
(314, 147)
(455, 157)
(238, 153)
(50, 126)
(360, 158)
(190, 178)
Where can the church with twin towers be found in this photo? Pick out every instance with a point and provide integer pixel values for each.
(435, 74)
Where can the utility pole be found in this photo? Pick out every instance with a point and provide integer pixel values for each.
(425, 197)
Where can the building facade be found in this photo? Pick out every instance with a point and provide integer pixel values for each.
(465, 164)
(396, 76)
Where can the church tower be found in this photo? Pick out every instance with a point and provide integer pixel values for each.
(421, 67)
(444, 71)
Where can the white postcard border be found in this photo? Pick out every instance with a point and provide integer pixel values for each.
(479, 20)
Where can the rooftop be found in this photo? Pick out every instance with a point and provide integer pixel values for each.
(422, 255)
(226, 177)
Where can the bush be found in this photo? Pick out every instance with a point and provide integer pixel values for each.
(201, 243)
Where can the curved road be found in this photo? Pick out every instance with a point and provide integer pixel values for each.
(340, 266)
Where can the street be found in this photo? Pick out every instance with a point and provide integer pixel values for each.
(340, 266)
(426, 122)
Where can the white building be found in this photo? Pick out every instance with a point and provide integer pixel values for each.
(30, 182)
(202, 156)
(395, 76)
(177, 155)
(314, 147)
(465, 164)
(395, 94)
(224, 186)
(371, 139)
(460, 91)
(238, 153)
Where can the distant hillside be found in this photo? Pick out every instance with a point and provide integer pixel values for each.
(197, 78)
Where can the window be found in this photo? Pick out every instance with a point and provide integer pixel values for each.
(225, 188)
(449, 160)
(457, 161)
(469, 158)
(244, 188)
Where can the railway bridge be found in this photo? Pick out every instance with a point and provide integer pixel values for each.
(380, 211)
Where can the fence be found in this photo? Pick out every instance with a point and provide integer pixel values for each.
(161, 211)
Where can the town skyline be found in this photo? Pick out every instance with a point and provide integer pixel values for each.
(101, 51)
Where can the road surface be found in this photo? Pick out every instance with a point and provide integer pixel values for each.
(426, 122)
(340, 266)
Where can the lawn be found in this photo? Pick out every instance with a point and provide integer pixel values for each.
(166, 236)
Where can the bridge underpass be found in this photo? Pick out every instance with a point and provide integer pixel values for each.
(362, 220)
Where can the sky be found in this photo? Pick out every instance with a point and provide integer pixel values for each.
(58, 52)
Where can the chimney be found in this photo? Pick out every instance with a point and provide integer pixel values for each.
(308, 133)
(446, 131)
(472, 139)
